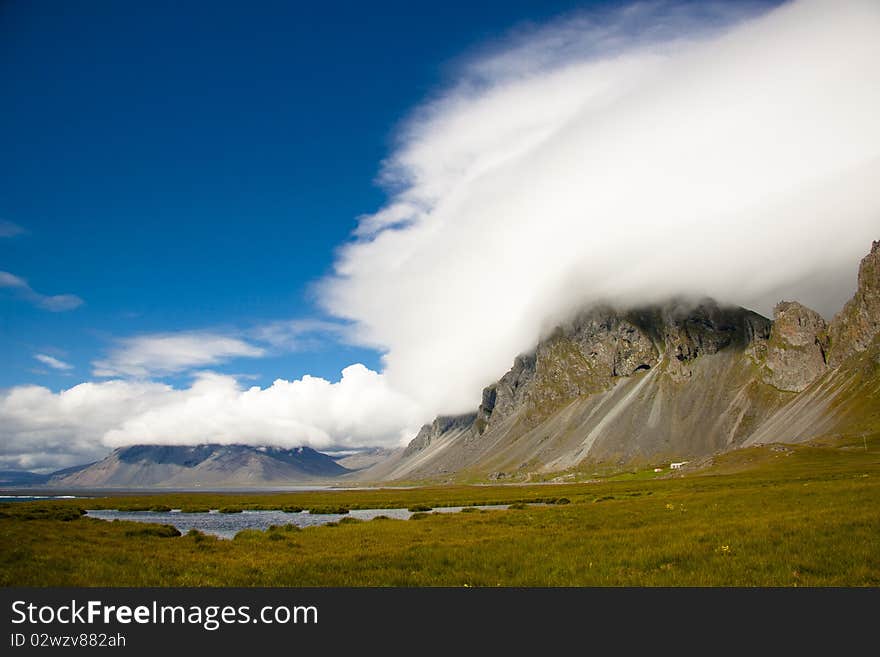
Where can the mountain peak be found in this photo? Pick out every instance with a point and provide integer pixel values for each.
(855, 326)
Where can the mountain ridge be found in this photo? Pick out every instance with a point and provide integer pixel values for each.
(147, 466)
(665, 381)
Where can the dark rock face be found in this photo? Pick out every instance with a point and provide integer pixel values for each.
(486, 408)
(600, 346)
(854, 327)
(706, 329)
(796, 325)
(510, 391)
(586, 356)
(794, 355)
(443, 424)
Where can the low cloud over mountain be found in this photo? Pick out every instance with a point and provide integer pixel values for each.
(661, 149)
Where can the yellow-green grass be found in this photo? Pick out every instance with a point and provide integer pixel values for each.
(767, 516)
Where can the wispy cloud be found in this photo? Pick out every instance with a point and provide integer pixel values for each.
(53, 362)
(53, 303)
(10, 229)
(161, 354)
(299, 334)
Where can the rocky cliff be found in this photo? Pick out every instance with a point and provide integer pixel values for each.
(795, 353)
(854, 327)
(670, 381)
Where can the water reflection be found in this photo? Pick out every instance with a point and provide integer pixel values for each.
(227, 525)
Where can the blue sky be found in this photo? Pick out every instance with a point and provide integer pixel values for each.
(192, 166)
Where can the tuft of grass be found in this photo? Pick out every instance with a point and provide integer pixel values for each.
(160, 508)
(248, 535)
(415, 508)
(31, 512)
(230, 509)
(329, 510)
(144, 529)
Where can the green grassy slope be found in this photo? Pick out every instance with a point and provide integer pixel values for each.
(769, 516)
(843, 403)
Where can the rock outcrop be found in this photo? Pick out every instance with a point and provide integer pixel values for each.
(440, 426)
(855, 326)
(794, 355)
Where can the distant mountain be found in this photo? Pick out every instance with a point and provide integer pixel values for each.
(11, 478)
(172, 466)
(665, 382)
(362, 458)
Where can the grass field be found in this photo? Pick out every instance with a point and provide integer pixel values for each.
(766, 516)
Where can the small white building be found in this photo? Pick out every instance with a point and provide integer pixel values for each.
(677, 466)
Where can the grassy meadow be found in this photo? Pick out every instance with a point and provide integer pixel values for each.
(765, 516)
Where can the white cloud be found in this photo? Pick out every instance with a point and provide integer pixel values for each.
(159, 354)
(643, 154)
(167, 353)
(40, 429)
(43, 429)
(53, 362)
(10, 229)
(54, 303)
(298, 334)
(358, 409)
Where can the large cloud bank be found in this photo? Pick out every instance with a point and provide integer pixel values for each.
(739, 161)
(45, 430)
